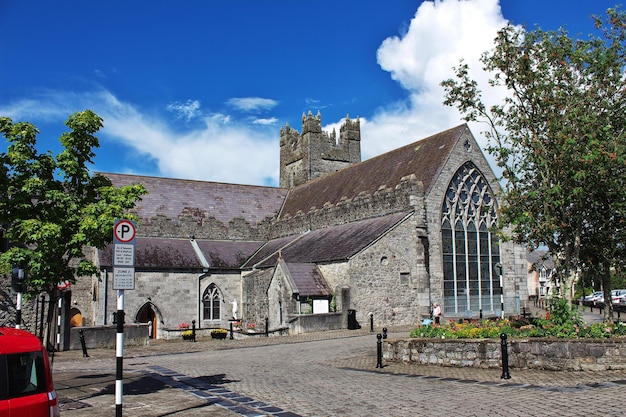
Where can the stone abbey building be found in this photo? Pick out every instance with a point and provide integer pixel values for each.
(341, 240)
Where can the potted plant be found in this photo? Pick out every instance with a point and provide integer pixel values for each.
(219, 333)
(187, 334)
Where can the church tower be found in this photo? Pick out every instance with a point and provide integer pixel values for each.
(314, 153)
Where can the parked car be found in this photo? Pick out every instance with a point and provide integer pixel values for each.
(26, 387)
(594, 298)
(616, 295)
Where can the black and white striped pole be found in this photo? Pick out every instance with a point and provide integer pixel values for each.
(119, 354)
(18, 283)
(124, 232)
(59, 314)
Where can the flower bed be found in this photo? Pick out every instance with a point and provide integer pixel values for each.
(519, 328)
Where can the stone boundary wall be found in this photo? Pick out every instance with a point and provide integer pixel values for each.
(540, 353)
(105, 336)
(307, 323)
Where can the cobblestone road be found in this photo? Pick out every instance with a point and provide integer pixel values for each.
(318, 375)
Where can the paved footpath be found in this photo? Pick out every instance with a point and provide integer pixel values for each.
(320, 374)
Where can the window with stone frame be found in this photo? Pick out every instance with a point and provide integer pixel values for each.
(211, 302)
(470, 246)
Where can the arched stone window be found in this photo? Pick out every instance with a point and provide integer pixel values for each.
(469, 245)
(212, 303)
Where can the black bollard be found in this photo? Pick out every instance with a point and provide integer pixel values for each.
(193, 330)
(384, 332)
(231, 330)
(372, 322)
(481, 313)
(267, 327)
(505, 357)
(379, 356)
(82, 343)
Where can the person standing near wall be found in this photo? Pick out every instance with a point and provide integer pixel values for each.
(437, 314)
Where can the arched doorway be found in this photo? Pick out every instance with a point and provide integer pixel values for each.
(146, 314)
(76, 318)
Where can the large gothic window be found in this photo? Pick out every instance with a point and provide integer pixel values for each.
(211, 302)
(470, 247)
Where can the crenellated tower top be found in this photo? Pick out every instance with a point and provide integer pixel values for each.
(315, 153)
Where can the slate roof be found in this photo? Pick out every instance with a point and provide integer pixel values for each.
(224, 254)
(328, 244)
(423, 158)
(168, 253)
(173, 197)
(539, 258)
(308, 280)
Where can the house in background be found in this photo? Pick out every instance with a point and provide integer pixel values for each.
(540, 270)
(382, 238)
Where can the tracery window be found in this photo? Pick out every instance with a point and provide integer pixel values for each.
(470, 247)
(211, 302)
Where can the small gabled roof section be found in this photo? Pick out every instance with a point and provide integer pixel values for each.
(424, 159)
(307, 280)
(328, 244)
(227, 254)
(174, 198)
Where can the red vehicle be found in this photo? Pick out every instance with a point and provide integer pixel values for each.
(26, 388)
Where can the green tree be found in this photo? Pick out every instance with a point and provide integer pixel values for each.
(559, 138)
(53, 207)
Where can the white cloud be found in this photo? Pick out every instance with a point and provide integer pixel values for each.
(439, 35)
(186, 110)
(217, 151)
(250, 104)
(225, 149)
(268, 121)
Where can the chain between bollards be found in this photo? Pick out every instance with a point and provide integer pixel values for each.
(505, 357)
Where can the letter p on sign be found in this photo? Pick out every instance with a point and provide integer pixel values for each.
(124, 231)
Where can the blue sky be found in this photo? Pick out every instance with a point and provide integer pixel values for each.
(199, 89)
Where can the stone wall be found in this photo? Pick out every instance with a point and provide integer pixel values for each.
(315, 153)
(307, 323)
(255, 307)
(105, 336)
(174, 295)
(511, 256)
(384, 278)
(203, 228)
(408, 195)
(547, 354)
